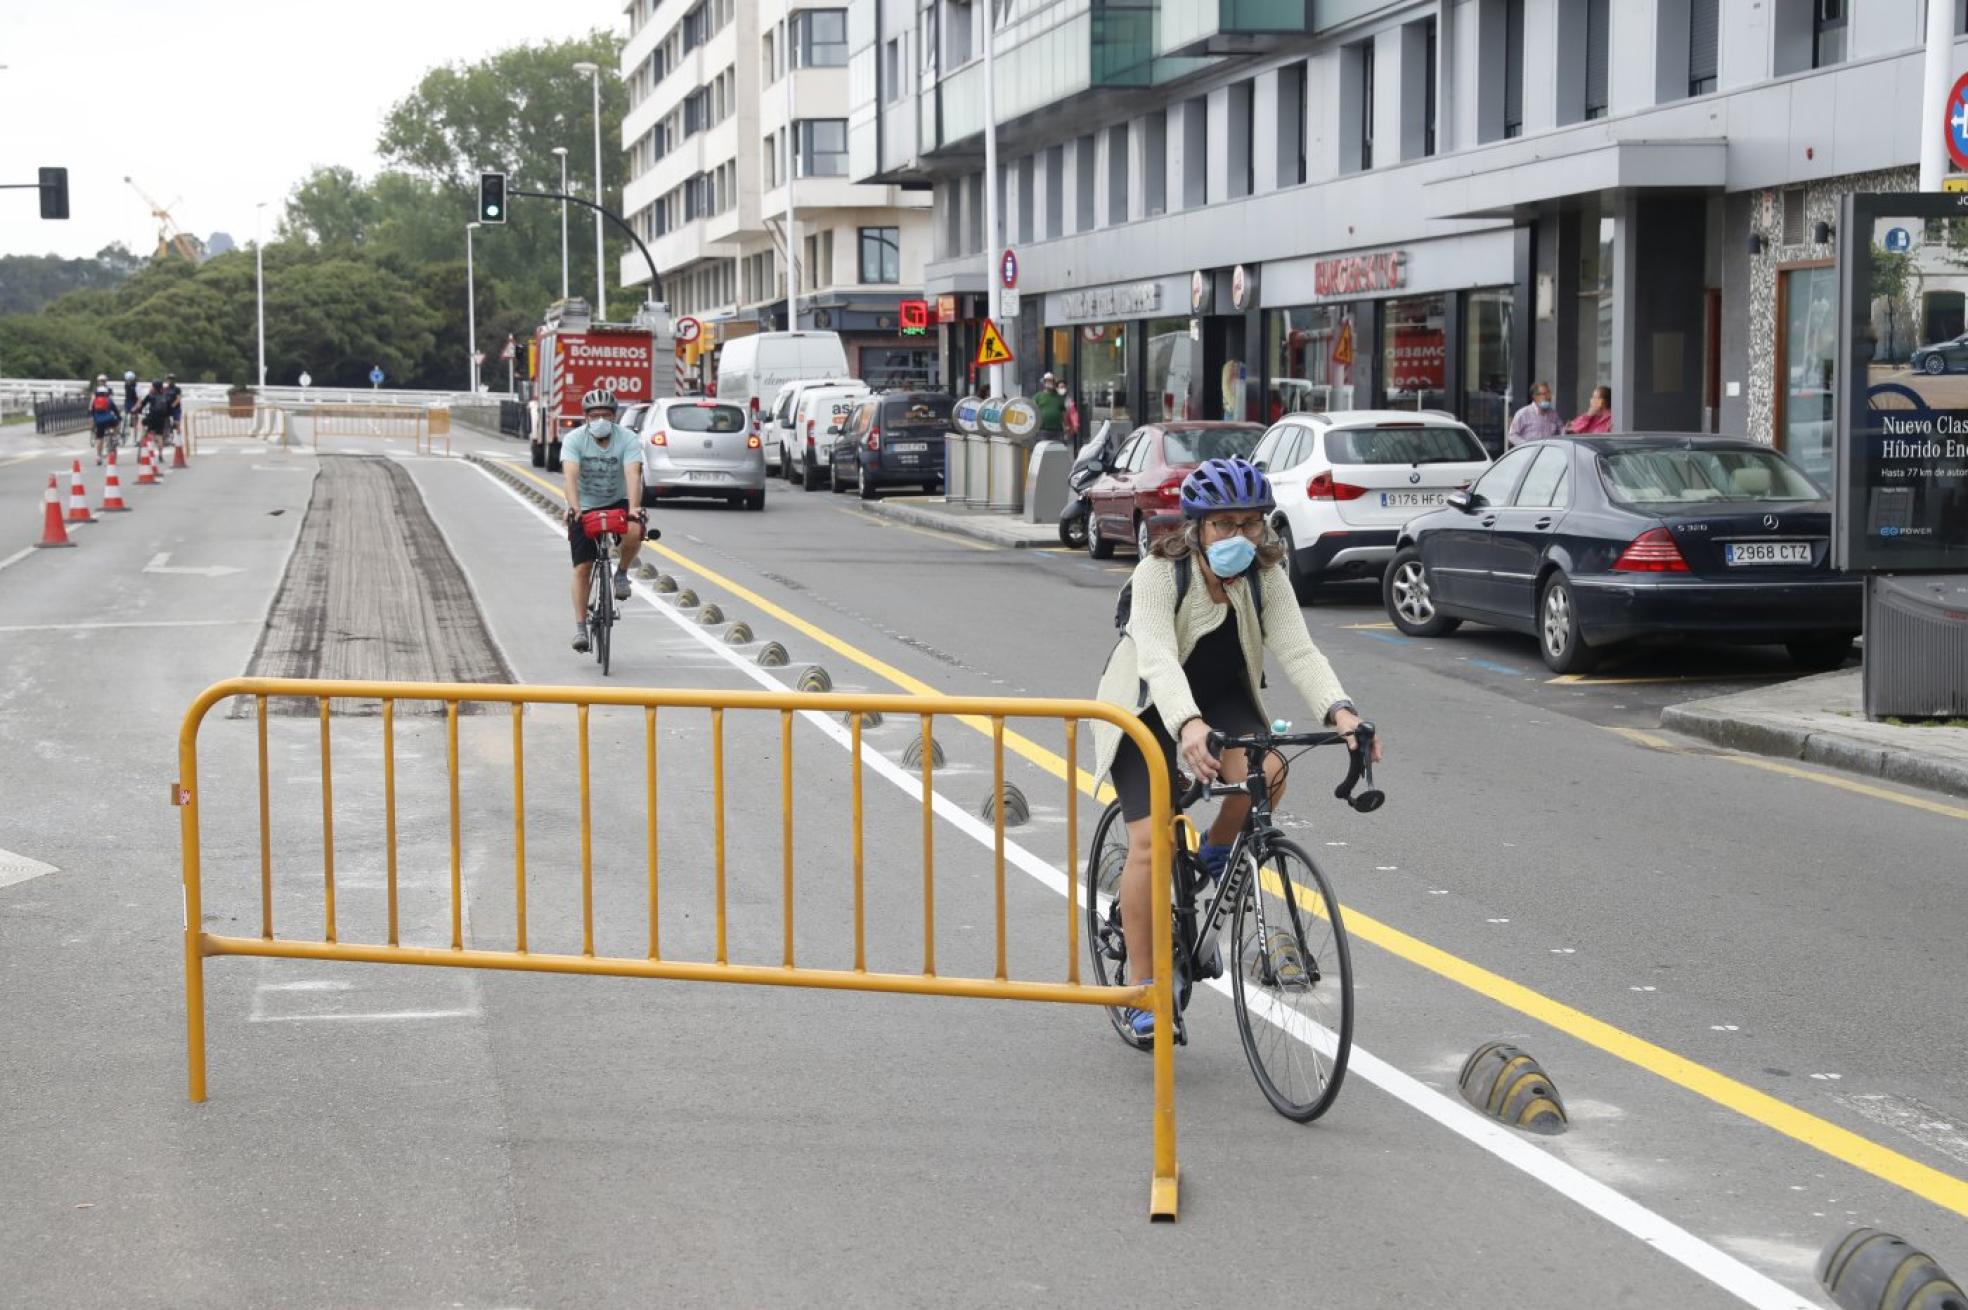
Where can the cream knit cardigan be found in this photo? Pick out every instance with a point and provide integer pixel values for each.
(1146, 666)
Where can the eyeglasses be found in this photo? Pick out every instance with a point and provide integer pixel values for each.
(1252, 526)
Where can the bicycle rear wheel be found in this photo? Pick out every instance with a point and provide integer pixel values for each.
(1292, 978)
(601, 611)
(1105, 859)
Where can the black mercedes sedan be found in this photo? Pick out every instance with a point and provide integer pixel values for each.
(1588, 542)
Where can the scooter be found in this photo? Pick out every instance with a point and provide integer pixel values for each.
(1092, 462)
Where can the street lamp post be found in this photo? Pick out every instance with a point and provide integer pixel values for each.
(593, 72)
(471, 309)
(562, 152)
(994, 276)
(792, 172)
(259, 278)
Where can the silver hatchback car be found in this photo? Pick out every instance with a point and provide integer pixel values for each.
(701, 447)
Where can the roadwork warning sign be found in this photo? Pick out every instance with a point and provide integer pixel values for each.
(991, 347)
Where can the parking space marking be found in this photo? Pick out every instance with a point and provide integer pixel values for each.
(881, 522)
(1842, 1144)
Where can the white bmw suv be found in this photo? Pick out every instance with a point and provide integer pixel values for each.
(1347, 480)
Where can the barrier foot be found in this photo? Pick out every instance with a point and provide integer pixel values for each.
(1161, 1197)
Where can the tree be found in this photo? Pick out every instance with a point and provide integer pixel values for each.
(1893, 277)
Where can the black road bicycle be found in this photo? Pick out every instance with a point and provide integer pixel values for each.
(604, 527)
(1291, 974)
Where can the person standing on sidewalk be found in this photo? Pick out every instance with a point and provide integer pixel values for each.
(1535, 421)
(1052, 410)
(1598, 417)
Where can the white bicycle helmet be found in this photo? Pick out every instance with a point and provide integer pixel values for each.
(599, 398)
(129, 375)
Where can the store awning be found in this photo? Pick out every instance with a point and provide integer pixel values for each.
(1506, 180)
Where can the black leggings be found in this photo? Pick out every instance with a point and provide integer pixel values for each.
(1233, 714)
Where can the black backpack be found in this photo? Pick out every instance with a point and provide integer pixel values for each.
(1124, 603)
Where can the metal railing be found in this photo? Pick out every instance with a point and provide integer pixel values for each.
(856, 710)
(57, 414)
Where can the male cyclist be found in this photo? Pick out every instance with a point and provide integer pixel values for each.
(1192, 661)
(177, 401)
(105, 418)
(129, 400)
(156, 412)
(602, 465)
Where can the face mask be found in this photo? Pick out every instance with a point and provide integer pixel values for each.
(1544, 404)
(1231, 556)
(599, 428)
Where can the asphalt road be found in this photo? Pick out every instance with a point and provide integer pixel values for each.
(1744, 979)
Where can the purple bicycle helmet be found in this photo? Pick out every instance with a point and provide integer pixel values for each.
(1225, 484)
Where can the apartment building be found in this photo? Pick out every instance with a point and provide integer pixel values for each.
(738, 109)
(1236, 208)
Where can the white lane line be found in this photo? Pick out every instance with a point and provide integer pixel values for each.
(132, 623)
(17, 556)
(379, 1016)
(310, 984)
(1657, 1231)
(18, 868)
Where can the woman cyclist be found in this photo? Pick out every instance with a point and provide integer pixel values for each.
(1191, 662)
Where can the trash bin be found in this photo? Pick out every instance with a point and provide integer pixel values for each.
(981, 491)
(1045, 481)
(954, 478)
(1009, 459)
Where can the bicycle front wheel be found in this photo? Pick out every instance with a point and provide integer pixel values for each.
(602, 607)
(1292, 978)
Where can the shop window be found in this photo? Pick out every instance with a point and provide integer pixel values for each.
(1311, 356)
(1171, 369)
(1103, 353)
(1414, 354)
(1487, 318)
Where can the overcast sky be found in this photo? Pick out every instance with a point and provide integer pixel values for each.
(212, 105)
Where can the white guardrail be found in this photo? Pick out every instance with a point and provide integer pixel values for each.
(18, 394)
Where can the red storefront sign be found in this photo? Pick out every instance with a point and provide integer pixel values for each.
(1357, 275)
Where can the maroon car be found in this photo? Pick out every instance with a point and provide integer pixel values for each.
(1144, 484)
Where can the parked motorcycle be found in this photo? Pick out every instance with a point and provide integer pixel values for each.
(1092, 462)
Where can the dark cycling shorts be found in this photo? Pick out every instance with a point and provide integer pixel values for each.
(1232, 714)
(580, 543)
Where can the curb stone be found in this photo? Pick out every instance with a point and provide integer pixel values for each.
(978, 529)
(1763, 736)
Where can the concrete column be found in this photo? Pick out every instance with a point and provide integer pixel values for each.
(1387, 99)
(1541, 66)
(1628, 338)
(1265, 132)
(1322, 116)
(1216, 149)
(1635, 54)
(1105, 212)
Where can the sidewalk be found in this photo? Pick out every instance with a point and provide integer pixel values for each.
(1819, 719)
(993, 526)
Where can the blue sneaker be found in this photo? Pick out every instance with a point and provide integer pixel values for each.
(1213, 858)
(1140, 1022)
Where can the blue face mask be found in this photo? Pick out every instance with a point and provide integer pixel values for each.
(1231, 556)
(599, 428)
(1544, 404)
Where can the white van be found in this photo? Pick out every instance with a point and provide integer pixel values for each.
(783, 444)
(751, 370)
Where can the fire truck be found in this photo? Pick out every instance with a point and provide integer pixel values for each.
(571, 355)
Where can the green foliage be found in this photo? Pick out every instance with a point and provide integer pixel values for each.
(365, 272)
(29, 282)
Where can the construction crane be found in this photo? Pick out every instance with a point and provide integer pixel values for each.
(171, 239)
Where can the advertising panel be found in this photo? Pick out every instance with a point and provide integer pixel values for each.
(1901, 454)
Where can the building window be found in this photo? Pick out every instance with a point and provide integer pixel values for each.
(1366, 106)
(892, 71)
(1431, 52)
(1828, 19)
(822, 147)
(697, 111)
(769, 156)
(1513, 68)
(696, 27)
(1117, 174)
(820, 38)
(1083, 175)
(1311, 357)
(881, 254)
(1291, 125)
(1704, 26)
(1597, 46)
(1487, 329)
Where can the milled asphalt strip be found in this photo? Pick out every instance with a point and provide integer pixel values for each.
(1658, 1232)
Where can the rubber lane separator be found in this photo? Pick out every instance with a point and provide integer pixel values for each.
(1656, 1231)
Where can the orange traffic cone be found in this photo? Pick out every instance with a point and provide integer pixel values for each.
(112, 489)
(52, 531)
(178, 453)
(146, 472)
(78, 498)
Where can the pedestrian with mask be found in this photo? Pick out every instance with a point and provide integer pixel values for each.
(1535, 421)
(1052, 410)
(1598, 417)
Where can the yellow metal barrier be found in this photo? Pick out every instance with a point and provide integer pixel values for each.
(210, 421)
(199, 944)
(410, 421)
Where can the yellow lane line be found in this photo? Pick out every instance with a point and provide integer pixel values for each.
(1647, 739)
(881, 522)
(1847, 784)
(1842, 1144)
(1588, 680)
(1018, 743)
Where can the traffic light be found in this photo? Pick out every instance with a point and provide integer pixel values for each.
(54, 193)
(491, 197)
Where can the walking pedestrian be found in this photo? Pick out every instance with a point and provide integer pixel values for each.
(1052, 410)
(1598, 417)
(1535, 421)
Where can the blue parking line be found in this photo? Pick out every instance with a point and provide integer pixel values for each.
(1493, 667)
(1390, 638)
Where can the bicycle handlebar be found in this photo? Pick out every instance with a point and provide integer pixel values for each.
(1359, 764)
